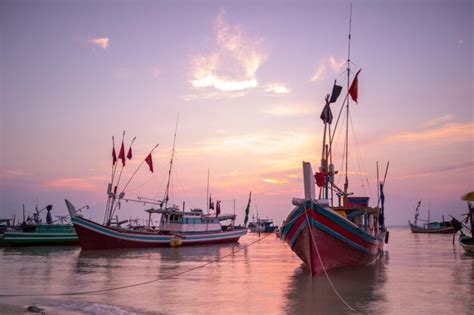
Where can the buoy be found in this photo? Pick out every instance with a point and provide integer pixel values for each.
(175, 241)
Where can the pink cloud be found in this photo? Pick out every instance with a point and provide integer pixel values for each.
(91, 183)
(449, 133)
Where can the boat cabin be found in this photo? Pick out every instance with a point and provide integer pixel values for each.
(174, 220)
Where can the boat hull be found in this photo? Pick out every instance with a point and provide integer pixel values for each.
(96, 236)
(467, 243)
(443, 230)
(42, 235)
(324, 240)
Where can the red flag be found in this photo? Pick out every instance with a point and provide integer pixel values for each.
(129, 154)
(122, 154)
(353, 90)
(149, 161)
(114, 156)
(218, 208)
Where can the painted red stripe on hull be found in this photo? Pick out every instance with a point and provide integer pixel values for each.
(90, 239)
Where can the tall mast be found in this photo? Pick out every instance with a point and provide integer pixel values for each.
(166, 198)
(346, 183)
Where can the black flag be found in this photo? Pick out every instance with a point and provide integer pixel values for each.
(326, 114)
(336, 91)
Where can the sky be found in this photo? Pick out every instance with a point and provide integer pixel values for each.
(247, 80)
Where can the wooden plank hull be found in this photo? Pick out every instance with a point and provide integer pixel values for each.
(324, 240)
(443, 230)
(96, 236)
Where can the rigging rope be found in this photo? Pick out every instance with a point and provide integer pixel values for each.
(141, 283)
(324, 269)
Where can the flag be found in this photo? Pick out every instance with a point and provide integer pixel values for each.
(218, 208)
(353, 90)
(247, 210)
(129, 154)
(320, 179)
(211, 204)
(326, 114)
(122, 154)
(114, 156)
(149, 161)
(336, 91)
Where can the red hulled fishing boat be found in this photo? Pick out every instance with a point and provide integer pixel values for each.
(326, 233)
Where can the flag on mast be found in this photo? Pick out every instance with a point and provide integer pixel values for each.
(336, 91)
(211, 203)
(247, 210)
(149, 161)
(218, 208)
(129, 154)
(353, 90)
(122, 154)
(114, 156)
(326, 114)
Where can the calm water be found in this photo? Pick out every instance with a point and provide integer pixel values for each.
(420, 274)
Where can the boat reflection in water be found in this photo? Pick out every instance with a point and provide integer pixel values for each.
(359, 286)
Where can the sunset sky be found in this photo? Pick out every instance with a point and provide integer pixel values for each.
(248, 81)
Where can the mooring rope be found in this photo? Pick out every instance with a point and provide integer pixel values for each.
(141, 283)
(324, 269)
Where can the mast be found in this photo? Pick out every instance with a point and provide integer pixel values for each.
(346, 183)
(166, 198)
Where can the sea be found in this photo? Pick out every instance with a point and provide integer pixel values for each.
(418, 274)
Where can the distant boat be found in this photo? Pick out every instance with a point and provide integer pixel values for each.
(262, 226)
(466, 242)
(36, 233)
(327, 234)
(444, 227)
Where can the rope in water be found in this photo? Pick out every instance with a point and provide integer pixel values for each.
(141, 283)
(324, 269)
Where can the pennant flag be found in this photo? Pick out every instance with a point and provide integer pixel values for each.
(211, 204)
(336, 91)
(122, 154)
(149, 161)
(218, 208)
(129, 154)
(353, 90)
(247, 210)
(114, 156)
(326, 114)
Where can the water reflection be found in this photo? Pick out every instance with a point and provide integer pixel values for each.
(358, 286)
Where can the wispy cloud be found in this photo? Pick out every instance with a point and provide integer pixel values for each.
(335, 64)
(233, 67)
(275, 181)
(102, 42)
(449, 133)
(90, 183)
(439, 120)
(318, 74)
(277, 88)
(332, 63)
(449, 168)
(290, 110)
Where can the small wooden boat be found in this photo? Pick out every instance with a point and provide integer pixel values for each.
(465, 241)
(262, 226)
(443, 227)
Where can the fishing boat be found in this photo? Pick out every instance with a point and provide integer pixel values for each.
(466, 242)
(177, 227)
(326, 233)
(443, 227)
(262, 226)
(37, 233)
